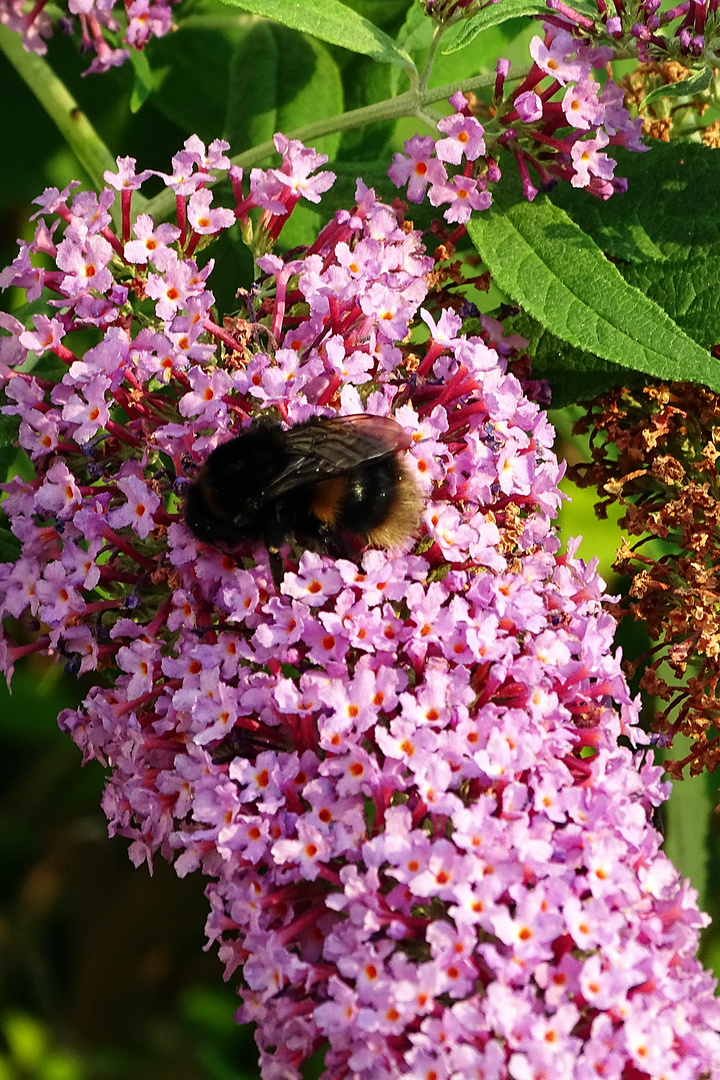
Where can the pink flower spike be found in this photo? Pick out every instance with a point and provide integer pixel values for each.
(203, 219)
(464, 195)
(152, 242)
(126, 180)
(529, 189)
(298, 163)
(460, 103)
(583, 21)
(581, 106)
(48, 334)
(556, 57)
(445, 331)
(126, 177)
(147, 19)
(502, 69)
(413, 776)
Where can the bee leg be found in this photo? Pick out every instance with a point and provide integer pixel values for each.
(341, 545)
(277, 567)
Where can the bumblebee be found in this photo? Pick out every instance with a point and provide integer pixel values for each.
(328, 484)
(242, 743)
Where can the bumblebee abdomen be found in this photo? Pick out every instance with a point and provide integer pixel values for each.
(328, 498)
(378, 502)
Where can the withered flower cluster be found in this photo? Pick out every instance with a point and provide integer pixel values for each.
(675, 116)
(655, 453)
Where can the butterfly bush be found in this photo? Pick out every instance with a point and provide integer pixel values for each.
(415, 783)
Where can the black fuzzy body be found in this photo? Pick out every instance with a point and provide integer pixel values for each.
(328, 484)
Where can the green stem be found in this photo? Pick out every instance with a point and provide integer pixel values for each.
(413, 102)
(63, 109)
(438, 34)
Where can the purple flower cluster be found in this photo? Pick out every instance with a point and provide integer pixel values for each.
(141, 21)
(427, 850)
(628, 28)
(426, 161)
(596, 115)
(450, 11)
(561, 139)
(639, 26)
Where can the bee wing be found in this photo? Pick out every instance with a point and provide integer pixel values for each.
(335, 446)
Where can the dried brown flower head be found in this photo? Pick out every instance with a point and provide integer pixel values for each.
(655, 453)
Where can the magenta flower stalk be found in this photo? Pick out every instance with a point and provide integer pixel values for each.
(428, 851)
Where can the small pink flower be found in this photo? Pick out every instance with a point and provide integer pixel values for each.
(138, 511)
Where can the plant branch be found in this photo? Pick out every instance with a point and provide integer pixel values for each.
(61, 107)
(438, 34)
(413, 102)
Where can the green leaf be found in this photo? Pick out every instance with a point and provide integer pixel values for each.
(688, 816)
(330, 21)
(668, 212)
(9, 429)
(279, 81)
(542, 260)
(13, 462)
(663, 235)
(416, 32)
(252, 98)
(10, 546)
(572, 374)
(492, 15)
(686, 88)
(414, 37)
(384, 13)
(143, 80)
(205, 41)
(686, 289)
